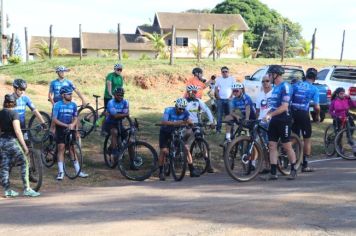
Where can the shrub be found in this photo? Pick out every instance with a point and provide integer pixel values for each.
(144, 57)
(15, 59)
(125, 55)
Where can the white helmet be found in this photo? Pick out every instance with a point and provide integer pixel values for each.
(237, 86)
(181, 103)
(192, 87)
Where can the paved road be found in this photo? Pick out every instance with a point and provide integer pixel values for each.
(321, 203)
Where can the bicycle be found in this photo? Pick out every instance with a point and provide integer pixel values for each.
(344, 143)
(72, 152)
(137, 159)
(89, 118)
(36, 132)
(177, 156)
(245, 155)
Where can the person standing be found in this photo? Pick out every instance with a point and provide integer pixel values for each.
(223, 93)
(303, 93)
(113, 81)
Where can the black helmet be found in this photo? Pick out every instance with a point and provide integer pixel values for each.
(19, 84)
(119, 90)
(65, 90)
(311, 73)
(197, 70)
(276, 69)
(10, 98)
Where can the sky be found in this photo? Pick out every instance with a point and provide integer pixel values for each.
(330, 17)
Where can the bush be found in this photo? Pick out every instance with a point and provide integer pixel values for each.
(125, 55)
(14, 59)
(144, 57)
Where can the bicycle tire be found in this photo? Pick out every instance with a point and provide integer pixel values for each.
(35, 170)
(283, 164)
(110, 160)
(68, 164)
(250, 166)
(86, 120)
(329, 141)
(144, 161)
(48, 152)
(202, 157)
(178, 162)
(167, 168)
(36, 133)
(346, 149)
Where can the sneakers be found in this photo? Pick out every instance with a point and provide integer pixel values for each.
(292, 175)
(269, 177)
(307, 169)
(30, 193)
(210, 170)
(82, 174)
(194, 173)
(10, 193)
(162, 177)
(60, 176)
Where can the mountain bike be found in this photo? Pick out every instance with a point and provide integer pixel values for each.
(345, 140)
(245, 155)
(36, 132)
(200, 149)
(136, 159)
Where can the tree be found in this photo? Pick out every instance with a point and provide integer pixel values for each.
(43, 49)
(259, 19)
(158, 42)
(223, 39)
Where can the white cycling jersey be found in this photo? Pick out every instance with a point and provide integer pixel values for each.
(195, 106)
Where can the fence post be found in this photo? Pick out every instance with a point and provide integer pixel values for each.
(214, 58)
(50, 42)
(342, 45)
(284, 43)
(173, 42)
(11, 46)
(259, 45)
(199, 44)
(26, 45)
(1, 31)
(313, 45)
(119, 41)
(80, 42)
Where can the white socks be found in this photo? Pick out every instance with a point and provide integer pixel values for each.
(60, 167)
(228, 136)
(76, 166)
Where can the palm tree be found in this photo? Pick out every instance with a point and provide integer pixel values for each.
(223, 39)
(158, 41)
(43, 49)
(195, 50)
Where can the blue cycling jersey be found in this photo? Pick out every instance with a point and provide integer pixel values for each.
(56, 85)
(114, 107)
(65, 112)
(170, 114)
(281, 93)
(20, 108)
(241, 103)
(303, 93)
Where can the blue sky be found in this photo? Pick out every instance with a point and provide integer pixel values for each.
(330, 17)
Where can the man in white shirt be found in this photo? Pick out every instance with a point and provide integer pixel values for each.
(262, 102)
(223, 93)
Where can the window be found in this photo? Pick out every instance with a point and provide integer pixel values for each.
(344, 75)
(258, 75)
(322, 74)
(169, 42)
(180, 41)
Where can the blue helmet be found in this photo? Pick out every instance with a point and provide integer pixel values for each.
(65, 90)
(61, 69)
(117, 67)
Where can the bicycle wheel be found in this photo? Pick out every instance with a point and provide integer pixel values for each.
(241, 163)
(86, 120)
(48, 151)
(345, 143)
(201, 154)
(70, 158)
(329, 141)
(167, 168)
(283, 164)
(178, 160)
(138, 160)
(109, 158)
(35, 170)
(36, 133)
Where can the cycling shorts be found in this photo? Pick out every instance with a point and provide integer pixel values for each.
(61, 135)
(301, 123)
(279, 130)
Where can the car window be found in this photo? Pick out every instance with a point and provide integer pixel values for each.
(258, 75)
(292, 75)
(322, 74)
(344, 75)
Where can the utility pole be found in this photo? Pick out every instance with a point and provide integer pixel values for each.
(50, 42)
(313, 45)
(284, 43)
(173, 43)
(26, 45)
(342, 46)
(119, 41)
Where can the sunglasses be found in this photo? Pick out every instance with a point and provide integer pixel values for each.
(181, 109)
(119, 95)
(69, 94)
(236, 90)
(194, 92)
(118, 69)
(265, 81)
(23, 90)
(224, 71)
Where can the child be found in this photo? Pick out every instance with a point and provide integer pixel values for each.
(339, 108)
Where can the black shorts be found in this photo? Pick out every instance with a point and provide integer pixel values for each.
(279, 130)
(164, 137)
(106, 101)
(61, 134)
(109, 126)
(301, 123)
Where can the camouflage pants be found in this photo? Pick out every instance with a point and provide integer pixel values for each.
(10, 151)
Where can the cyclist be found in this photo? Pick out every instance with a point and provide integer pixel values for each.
(242, 107)
(113, 80)
(280, 121)
(10, 140)
(339, 107)
(194, 107)
(54, 87)
(174, 116)
(198, 81)
(65, 117)
(303, 93)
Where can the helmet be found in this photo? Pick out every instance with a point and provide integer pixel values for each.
(311, 73)
(192, 88)
(181, 103)
(276, 69)
(19, 83)
(117, 66)
(119, 90)
(10, 98)
(237, 86)
(65, 90)
(61, 69)
(197, 70)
